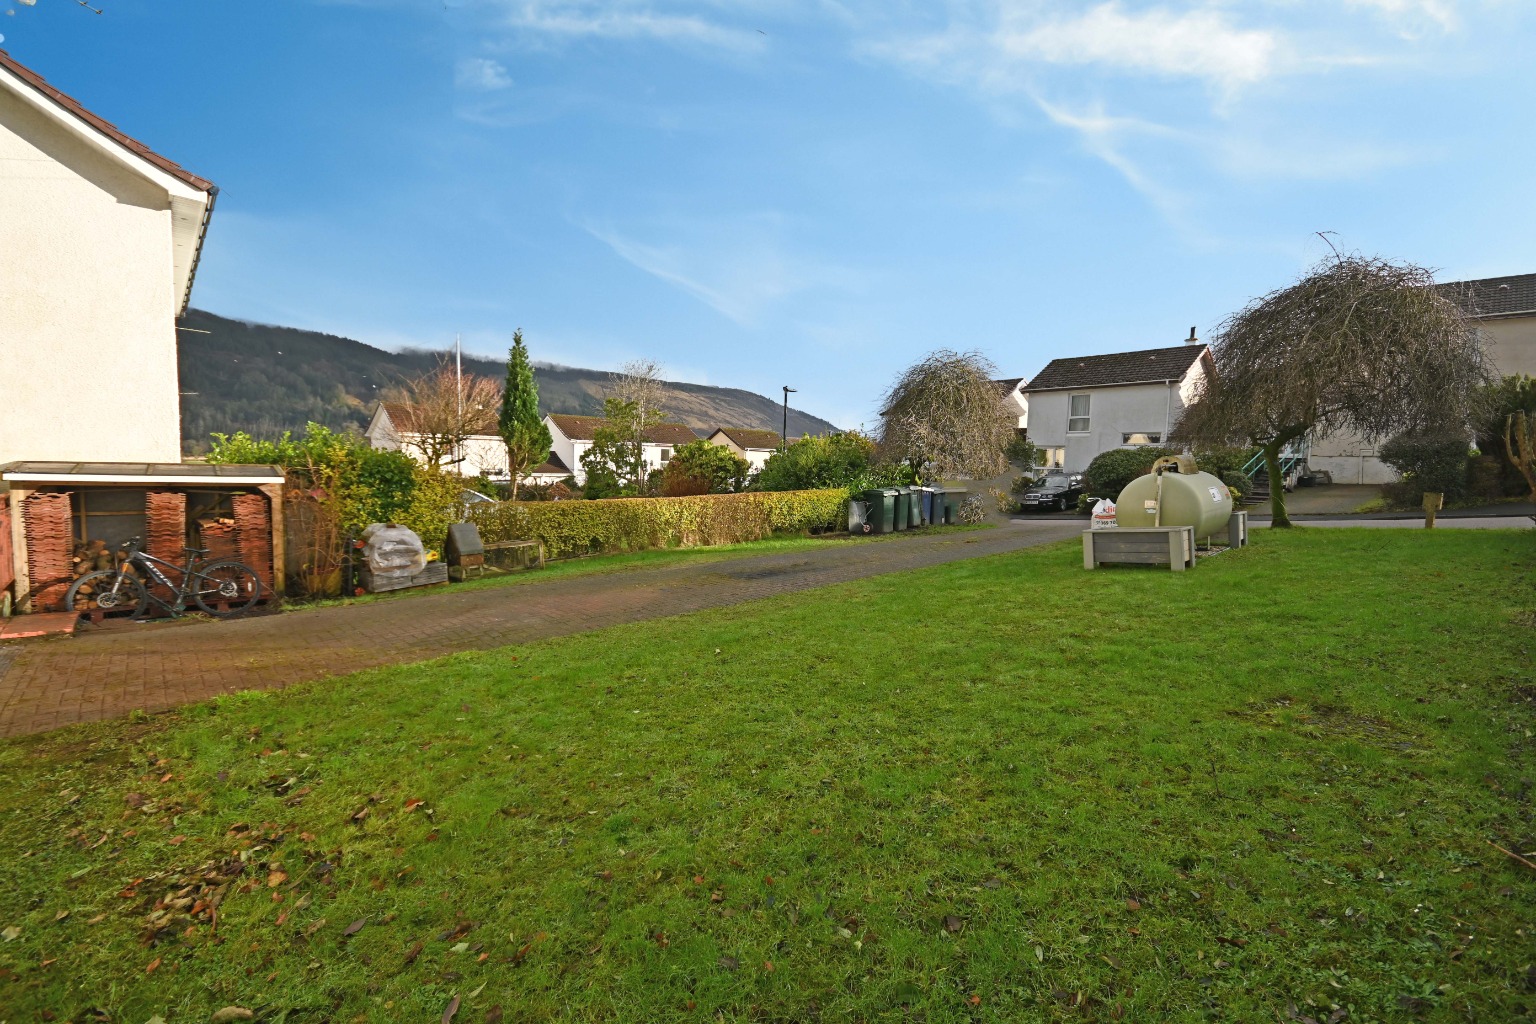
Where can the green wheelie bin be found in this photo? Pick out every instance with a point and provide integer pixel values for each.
(882, 509)
(903, 507)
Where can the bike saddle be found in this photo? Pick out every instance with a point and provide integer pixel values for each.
(196, 551)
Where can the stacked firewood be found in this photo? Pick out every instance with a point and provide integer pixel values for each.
(89, 557)
(220, 536)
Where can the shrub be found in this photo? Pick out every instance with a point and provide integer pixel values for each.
(1110, 471)
(1430, 461)
(569, 528)
(1236, 479)
(972, 510)
(703, 468)
(1221, 460)
(817, 461)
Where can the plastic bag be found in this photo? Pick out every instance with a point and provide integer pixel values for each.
(393, 550)
(1103, 515)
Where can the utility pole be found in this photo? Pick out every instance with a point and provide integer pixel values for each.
(784, 434)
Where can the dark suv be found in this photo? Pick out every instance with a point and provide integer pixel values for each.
(1056, 491)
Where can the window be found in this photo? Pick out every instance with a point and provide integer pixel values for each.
(666, 455)
(1141, 438)
(1077, 415)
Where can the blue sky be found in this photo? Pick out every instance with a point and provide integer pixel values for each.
(810, 192)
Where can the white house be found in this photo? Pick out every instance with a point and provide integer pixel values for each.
(1015, 399)
(1504, 310)
(753, 445)
(572, 436)
(99, 242)
(1083, 405)
(480, 455)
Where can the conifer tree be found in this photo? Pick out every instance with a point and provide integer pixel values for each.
(520, 426)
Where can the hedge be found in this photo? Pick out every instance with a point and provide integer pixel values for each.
(610, 525)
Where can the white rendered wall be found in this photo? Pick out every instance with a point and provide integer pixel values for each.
(87, 302)
(1113, 413)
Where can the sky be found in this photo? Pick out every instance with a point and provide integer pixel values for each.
(812, 193)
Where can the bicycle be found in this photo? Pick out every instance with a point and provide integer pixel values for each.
(221, 587)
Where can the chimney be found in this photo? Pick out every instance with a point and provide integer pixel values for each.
(1191, 340)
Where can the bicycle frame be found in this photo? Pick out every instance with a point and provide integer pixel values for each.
(149, 563)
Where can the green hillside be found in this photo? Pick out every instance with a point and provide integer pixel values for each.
(264, 380)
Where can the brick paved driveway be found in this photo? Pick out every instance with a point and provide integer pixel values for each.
(45, 684)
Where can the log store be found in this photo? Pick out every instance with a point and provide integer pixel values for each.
(64, 519)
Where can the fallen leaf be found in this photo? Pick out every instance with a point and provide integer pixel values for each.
(411, 805)
(493, 1015)
(953, 924)
(355, 926)
(992, 883)
(698, 879)
(1239, 943)
(768, 966)
(477, 991)
(230, 1014)
(61, 915)
(165, 778)
(177, 840)
(134, 800)
(767, 879)
(461, 947)
(412, 954)
(453, 1008)
(1040, 953)
(730, 963)
(974, 1000)
(360, 815)
(152, 965)
(315, 927)
(276, 878)
(1132, 905)
(10, 933)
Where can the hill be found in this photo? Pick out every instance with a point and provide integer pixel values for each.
(264, 380)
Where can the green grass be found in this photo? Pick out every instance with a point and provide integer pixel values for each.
(1001, 790)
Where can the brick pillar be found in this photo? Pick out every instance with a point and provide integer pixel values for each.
(253, 526)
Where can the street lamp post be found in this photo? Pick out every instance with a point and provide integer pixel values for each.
(784, 434)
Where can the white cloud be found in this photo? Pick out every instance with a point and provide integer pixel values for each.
(1199, 43)
(1412, 16)
(480, 74)
(741, 269)
(618, 19)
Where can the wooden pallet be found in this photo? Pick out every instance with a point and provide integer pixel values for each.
(435, 572)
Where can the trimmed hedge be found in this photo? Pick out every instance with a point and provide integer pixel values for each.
(611, 525)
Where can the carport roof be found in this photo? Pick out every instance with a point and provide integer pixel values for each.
(186, 473)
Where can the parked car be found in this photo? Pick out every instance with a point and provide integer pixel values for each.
(1056, 491)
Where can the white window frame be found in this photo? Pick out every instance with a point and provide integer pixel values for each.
(1084, 418)
(664, 455)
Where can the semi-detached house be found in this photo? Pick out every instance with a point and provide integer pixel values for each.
(572, 437)
(1080, 406)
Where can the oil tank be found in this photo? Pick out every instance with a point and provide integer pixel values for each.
(1181, 493)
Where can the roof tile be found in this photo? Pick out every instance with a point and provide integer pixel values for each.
(1148, 366)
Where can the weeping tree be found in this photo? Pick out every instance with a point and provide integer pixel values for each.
(1359, 344)
(943, 418)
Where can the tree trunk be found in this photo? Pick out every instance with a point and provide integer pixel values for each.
(1276, 484)
(1277, 475)
(514, 485)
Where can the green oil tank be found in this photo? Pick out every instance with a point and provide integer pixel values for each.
(1176, 493)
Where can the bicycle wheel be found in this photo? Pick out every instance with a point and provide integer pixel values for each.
(224, 588)
(113, 594)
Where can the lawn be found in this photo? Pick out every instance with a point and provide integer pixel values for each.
(1001, 790)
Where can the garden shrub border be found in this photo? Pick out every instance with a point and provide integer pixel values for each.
(616, 525)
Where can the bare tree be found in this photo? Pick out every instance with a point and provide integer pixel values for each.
(942, 417)
(1359, 344)
(640, 392)
(439, 409)
(1520, 446)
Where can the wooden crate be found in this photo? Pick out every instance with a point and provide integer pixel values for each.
(1173, 546)
(435, 572)
(1237, 529)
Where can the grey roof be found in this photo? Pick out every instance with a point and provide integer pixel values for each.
(1494, 296)
(1149, 366)
(1008, 384)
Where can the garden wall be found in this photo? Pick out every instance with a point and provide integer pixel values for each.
(610, 525)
